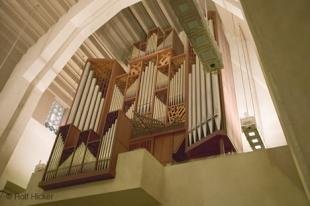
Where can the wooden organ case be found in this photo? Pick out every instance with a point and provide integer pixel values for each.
(86, 148)
(166, 104)
(175, 106)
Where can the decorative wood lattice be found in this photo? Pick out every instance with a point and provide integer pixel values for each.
(135, 68)
(145, 125)
(102, 68)
(164, 58)
(176, 113)
(176, 61)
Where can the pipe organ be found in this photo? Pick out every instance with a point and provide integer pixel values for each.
(86, 147)
(167, 103)
(204, 103)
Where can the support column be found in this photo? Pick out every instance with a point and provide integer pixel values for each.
(281, 32)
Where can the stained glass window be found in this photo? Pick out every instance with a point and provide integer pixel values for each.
(54, 117)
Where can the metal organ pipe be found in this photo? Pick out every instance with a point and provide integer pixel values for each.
(159, 109)
(179, 85)
(117, 99)
(65, 166)
(172, 90)
(183, 81)
(143, 91)
(198, 102)
(146, 90)
(190, 108)
(55, 158)
(110, 143)
(194, 101)
(86, 106)
(78, 158)
(175, 88)
(216, 100)
(89, 160)
(113, 99)
(102, 149)
(149, 85)
(91, 108)
(98, 116)
(78, 94)
(140, 92)
(153, 84)
(95, 114)
(150, 91)
(129, 112)
(209, 101)
(83, 99)
(106, 146)
(203, 101)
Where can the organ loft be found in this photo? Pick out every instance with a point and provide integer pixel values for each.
(167, 103)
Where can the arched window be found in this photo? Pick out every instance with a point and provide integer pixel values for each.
(54, 117)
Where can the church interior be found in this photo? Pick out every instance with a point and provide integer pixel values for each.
(154, 102)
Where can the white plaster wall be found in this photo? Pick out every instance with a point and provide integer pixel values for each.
(253, 97)
(34, 146)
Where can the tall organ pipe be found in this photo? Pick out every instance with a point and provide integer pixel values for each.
(146, 88)
(83, 99)
(216, 100)
(203, 101)
(91, 108)
(179, 86)
(95, 114)
(198, 114)
(193, 101)
(98, 115)
(140, 92)
(153, 83)
(78, 94)
(190, 108)
(209, 101)
(181, 83)
(86, 106)
(175, 88)
(150, 94)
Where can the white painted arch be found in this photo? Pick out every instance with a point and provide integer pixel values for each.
(43, 61)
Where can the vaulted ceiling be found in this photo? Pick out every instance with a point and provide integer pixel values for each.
(23, 22)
